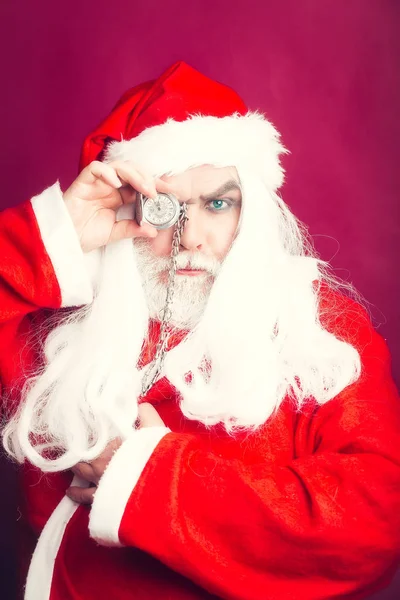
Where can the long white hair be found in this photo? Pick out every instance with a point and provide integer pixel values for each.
(259, 339)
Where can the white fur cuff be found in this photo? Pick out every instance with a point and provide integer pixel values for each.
(118, 482)
(62, 245)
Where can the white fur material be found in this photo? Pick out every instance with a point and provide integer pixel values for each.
(118, 482)
(250, 141)
(40, 574)
(62, 245)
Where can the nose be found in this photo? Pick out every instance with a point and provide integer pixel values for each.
(193, 235)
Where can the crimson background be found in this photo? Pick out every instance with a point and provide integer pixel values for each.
(326, 72)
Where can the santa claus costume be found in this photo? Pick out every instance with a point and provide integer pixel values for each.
(277, 474)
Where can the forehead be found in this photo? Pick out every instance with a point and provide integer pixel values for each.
(201, 180)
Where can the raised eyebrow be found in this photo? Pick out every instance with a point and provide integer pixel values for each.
(232, 184)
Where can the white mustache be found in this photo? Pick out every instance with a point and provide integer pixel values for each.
(198, 262)
(184, 260)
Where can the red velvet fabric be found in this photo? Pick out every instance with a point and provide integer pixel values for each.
(308, 507)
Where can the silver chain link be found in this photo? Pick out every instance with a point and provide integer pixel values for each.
(156, 366)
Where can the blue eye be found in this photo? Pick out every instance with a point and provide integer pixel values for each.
(218, 205)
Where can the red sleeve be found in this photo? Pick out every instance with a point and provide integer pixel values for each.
(324, 525)
(27, 279)
(41, 262)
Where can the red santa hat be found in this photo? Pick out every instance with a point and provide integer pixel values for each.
(184, 119)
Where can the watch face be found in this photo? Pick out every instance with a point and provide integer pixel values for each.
(161, 211)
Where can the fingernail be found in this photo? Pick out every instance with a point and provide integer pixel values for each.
(151, 191)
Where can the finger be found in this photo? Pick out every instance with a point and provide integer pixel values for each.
(81, 495)
(140, 183)
(148, 416)
(99, 170)
(128, 228)
(164, 186)
(83, 470)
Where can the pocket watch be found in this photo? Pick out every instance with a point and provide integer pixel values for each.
(161, 212)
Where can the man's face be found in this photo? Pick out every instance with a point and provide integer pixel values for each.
(212, 210)
(214, 201)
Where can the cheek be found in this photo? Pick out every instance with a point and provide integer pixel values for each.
(223, 233)
(228, 231)
(161, 245)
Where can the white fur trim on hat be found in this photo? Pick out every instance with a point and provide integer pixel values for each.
(248, 141)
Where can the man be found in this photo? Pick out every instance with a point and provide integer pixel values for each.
(228, 416)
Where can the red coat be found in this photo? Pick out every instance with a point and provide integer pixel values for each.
(307, 508)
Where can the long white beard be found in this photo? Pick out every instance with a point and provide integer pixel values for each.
(190, 293)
